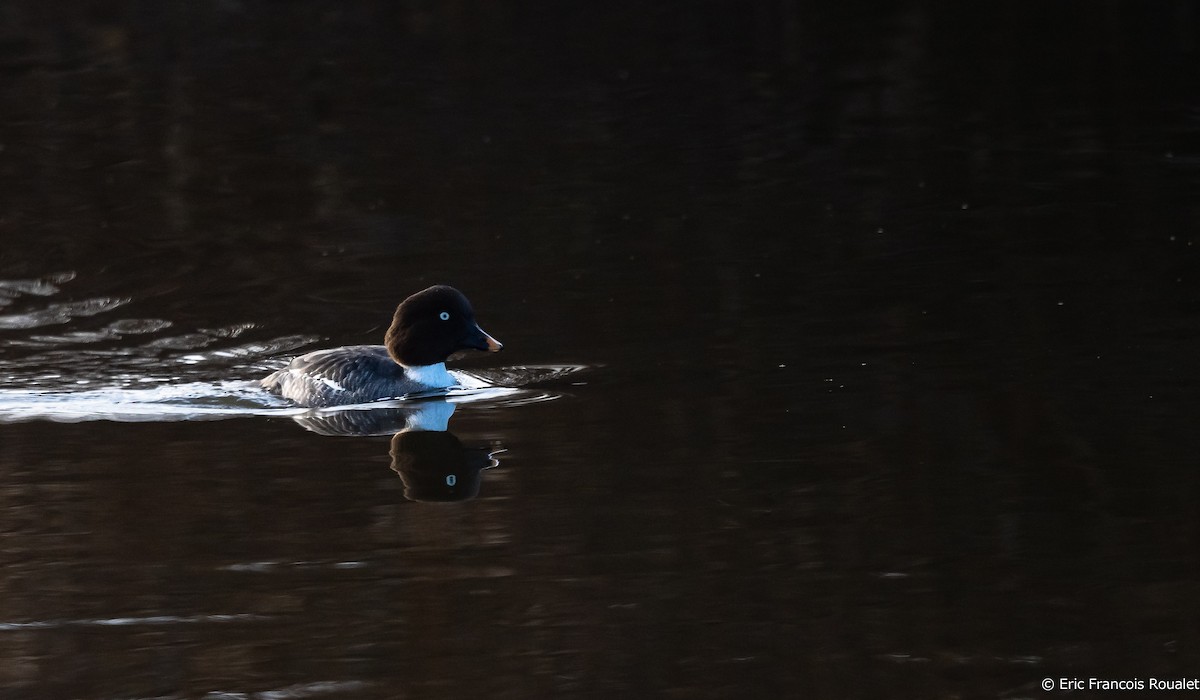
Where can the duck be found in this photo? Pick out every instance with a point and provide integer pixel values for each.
(427, 328)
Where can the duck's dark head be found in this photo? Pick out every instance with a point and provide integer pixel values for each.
(432, 325)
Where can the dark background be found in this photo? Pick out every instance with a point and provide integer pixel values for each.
(890, 314)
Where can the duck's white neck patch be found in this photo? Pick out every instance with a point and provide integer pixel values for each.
(431, 376)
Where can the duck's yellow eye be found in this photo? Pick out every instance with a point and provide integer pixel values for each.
(445, 315)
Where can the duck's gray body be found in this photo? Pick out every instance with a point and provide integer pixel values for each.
(352, 374)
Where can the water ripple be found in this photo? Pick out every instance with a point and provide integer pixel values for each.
(42, 286)
(53, 314)
(518, 375)
(302, 690)
(127, 398)
(260, 349)
(113, 331)
(128, 621)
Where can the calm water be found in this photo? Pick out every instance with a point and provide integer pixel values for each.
(855, 354)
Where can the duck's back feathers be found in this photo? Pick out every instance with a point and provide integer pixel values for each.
(346, 375)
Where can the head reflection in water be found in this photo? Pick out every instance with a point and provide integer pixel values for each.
(435, 466)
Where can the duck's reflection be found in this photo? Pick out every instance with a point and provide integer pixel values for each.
(432, 462)
(435, 466)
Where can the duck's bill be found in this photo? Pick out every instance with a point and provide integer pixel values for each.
(483, 341)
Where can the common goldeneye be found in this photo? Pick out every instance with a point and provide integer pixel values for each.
(427, 328)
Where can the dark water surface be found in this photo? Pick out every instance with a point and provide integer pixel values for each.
(889, 326)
